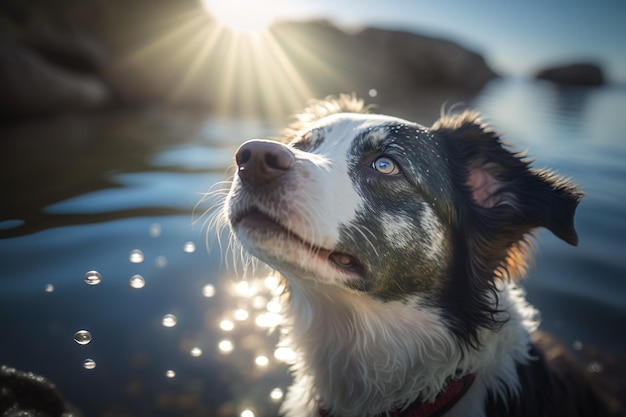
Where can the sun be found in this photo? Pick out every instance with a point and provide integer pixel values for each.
(251, 16)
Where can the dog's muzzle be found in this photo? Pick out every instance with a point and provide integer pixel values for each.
(261, 162)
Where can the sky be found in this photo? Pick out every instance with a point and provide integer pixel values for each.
(516, 37)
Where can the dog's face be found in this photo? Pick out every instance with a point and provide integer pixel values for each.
(353, 207)
(387, 207)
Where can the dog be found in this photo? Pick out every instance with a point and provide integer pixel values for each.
(401, 248)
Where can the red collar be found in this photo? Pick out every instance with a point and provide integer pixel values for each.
(453, 392)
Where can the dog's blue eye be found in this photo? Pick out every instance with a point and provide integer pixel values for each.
(386, 166)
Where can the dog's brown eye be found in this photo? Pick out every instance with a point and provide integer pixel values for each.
(386, 166)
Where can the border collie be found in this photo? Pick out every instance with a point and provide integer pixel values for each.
(401, 247)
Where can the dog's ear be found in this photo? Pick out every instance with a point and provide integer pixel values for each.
(501, 186)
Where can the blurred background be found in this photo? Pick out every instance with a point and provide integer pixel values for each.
(116, 117)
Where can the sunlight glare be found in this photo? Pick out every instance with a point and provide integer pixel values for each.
(249, 16)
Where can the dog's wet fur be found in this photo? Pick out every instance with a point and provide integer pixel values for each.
(401, 247)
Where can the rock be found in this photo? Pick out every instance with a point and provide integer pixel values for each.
(72, 49)
(25, 394)
(425, 61)
(395, 63)
(583, 74)
(31, 85)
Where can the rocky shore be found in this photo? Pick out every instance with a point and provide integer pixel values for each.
(141, 53)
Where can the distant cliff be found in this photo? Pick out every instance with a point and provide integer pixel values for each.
(135, 53)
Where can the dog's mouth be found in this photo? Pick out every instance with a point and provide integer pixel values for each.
(256, 220)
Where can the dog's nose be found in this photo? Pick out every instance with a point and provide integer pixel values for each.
(261, 161)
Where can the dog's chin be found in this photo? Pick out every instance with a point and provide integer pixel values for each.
(284, 249)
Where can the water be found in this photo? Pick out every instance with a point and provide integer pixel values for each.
(116, 193)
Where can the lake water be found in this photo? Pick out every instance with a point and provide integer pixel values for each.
(116, 193)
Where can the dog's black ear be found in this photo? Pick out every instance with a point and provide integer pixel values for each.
(501, 185)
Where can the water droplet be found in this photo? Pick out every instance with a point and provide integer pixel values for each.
(247, 413)
(208, 290)
(227, 325)
(155, 230)
(273, 306)
(259, 302)
(225, 346)
(49, 288)
(372, 92)
(268, 320)
(169, 320)
(244, 289)
(93, 278)
(276, 394)
(241, 314)
(160, 261)
(577, 345)
(595, 367)
(284, 354)
(170, 373)
(82, 337)
(195, 352)
(89, 364)
(189, 247)
(272, 282)
(137, 281)
(136, 256)
(261, 360)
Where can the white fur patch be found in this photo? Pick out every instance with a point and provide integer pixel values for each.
(398, 230)
(433, 232)
(362, 357)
